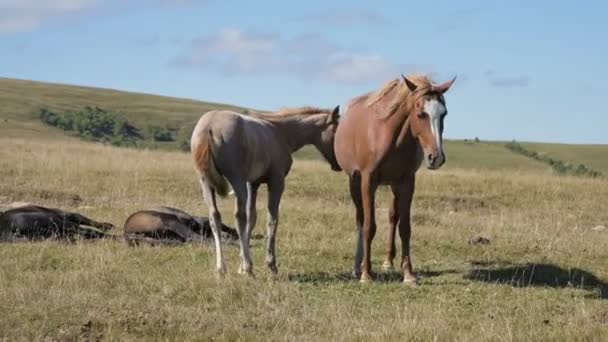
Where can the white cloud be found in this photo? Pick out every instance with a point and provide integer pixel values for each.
(24, 15)
(236, 52)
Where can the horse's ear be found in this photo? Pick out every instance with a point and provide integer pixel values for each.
(410, 85)
(445, 86)
(335, 115)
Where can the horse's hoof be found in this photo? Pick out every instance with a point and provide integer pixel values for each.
(387, 267)
(365, 278)
(410, 280)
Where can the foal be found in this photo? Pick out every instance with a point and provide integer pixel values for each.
(247, 151)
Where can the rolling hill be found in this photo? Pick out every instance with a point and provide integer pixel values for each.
(20, 101)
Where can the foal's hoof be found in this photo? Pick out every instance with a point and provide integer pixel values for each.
(245, 272)
(387, 266)
(220, 273)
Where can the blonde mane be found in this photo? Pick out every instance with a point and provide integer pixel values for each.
(403, 92)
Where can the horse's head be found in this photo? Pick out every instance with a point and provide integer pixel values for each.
(427, 113)
(325, 141)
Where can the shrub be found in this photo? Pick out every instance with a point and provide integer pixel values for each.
(96, 124)
(560, 167)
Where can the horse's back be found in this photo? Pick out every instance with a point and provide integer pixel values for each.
(243, 146)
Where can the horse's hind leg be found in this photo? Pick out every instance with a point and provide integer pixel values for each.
(252, 215)
(275, 191)
(355, 194)
(240, 216)
(405, 229)
(215, 221)
(81, 219)
(393, 219)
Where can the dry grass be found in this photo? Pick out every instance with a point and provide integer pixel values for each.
(543, 276)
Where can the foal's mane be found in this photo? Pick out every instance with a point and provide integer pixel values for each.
(423, 83)
(288, 113)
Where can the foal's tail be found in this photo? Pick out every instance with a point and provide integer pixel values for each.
(205, 164)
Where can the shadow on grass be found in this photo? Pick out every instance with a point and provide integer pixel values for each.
(533, 275)
(344, 277)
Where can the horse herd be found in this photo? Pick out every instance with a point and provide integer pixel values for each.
(381, 138)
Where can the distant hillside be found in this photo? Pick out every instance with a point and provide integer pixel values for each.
(21, 100)
(594, 156)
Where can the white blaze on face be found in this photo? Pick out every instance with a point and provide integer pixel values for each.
(435, 110)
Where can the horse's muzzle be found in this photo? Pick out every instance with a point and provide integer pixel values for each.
(433, 161)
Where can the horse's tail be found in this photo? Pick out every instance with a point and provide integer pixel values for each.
(202, 152)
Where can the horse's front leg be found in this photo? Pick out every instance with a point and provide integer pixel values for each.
(405, 229)
(275, 191)
(393, 220)
(368, 190)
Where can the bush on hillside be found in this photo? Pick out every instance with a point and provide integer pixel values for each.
(95, 124)
(560, 167)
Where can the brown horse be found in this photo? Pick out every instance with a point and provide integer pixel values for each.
(250, 150)
(170, 226)
(33, 222)
(383, 139)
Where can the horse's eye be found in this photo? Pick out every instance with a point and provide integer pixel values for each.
(422, 115)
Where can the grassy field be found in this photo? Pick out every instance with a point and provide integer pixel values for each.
(544, 275)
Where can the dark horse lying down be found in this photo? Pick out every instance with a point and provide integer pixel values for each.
(165, 225)
(32, 222)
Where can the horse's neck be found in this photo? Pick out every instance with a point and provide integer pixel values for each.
(397, 123)
(297, 131)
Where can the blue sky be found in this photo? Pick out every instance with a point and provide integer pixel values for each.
(527, 70)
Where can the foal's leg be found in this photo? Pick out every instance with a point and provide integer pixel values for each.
(275, 191)
(215, 221)
(355, 194)
(240, 216)
(184, 232)
(252, 215)
(393, 219)
(405, 229)
(81, 219)
(368, 190)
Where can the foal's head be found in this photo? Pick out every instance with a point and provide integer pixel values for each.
(427, 111)
(324, 142)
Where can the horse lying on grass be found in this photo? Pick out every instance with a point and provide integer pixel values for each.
(33, 222)
(170, 226)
